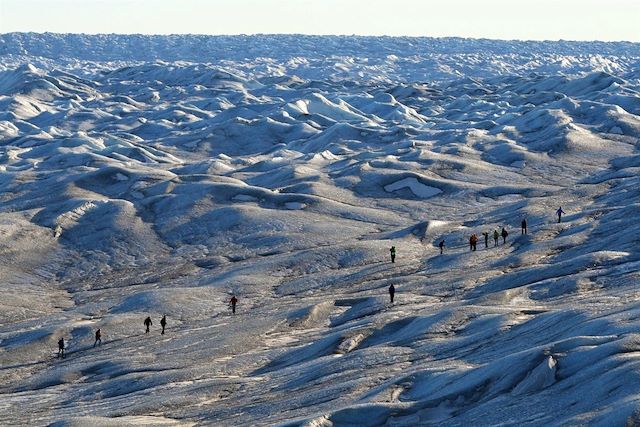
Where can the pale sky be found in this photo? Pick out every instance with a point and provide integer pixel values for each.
(498, 19)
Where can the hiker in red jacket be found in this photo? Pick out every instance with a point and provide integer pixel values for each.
(473, 241)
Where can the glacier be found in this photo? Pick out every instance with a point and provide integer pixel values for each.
(151, 175)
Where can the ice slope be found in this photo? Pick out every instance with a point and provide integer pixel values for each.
(160, 175)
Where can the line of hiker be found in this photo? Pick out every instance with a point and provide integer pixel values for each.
(147, 324)
(163, 323)
(473, 240)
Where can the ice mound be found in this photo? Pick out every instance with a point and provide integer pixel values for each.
(541, 377)
(318, 104)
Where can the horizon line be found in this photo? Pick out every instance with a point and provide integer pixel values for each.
(560, 40)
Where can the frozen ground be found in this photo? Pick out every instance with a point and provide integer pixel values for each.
(142, 176)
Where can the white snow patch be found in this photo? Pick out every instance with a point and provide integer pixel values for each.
(295, 205)
(349, 344)
(416, 187)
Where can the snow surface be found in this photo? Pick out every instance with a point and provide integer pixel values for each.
(147, 175)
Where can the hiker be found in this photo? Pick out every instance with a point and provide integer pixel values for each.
(233, 301)
(147, 323)
(61, 347)
(486, 239)
(393, 253)
(496, 236)
(504, 235)
(163, 323)
(559, 212)
(441, 246)
(98, 338)
(392, 292)
(524, 226)
(473, 241)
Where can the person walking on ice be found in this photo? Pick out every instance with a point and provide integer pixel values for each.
(486, 239)
(147, 323)
(496, 236)
(393, 253)
(163, 323)
(232, 302)
(524, 226)
(98, 340)
(473, 241)
(61, 347)
(504, 235)
(559, 212)
(392, 292)
(441, 246)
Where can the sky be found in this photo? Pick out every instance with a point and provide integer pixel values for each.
(608, 20)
